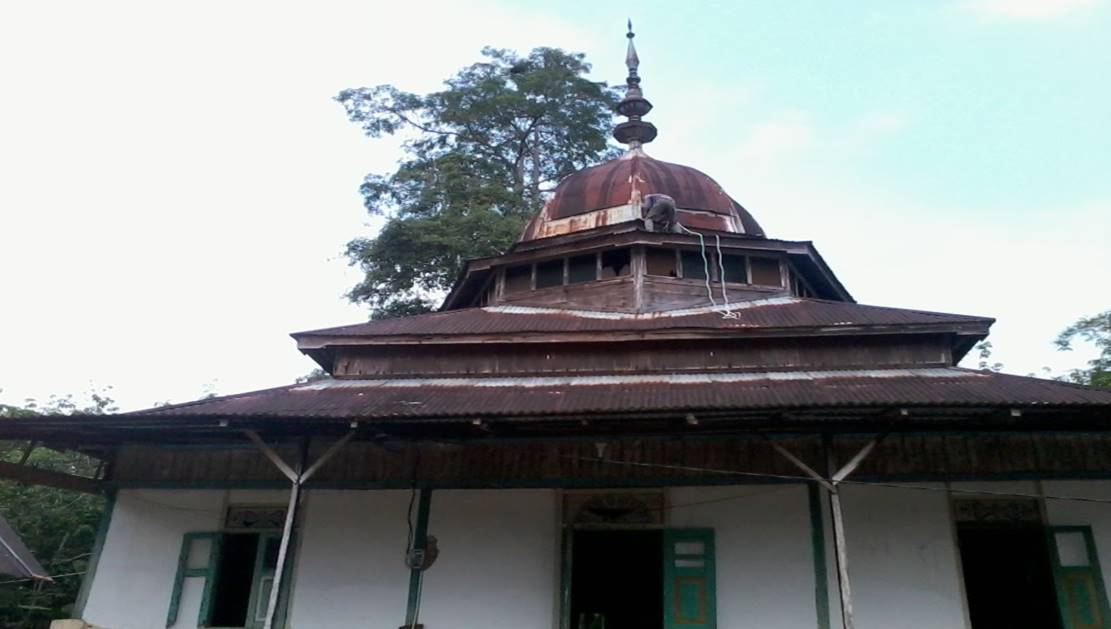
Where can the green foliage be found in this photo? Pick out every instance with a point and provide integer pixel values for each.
(984, 350)
(58, 526)
(312, 376)
(480, 155)
(1095, 330)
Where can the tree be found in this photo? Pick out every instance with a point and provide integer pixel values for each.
(1095, 330)
(316, 375)
(985, 349)
(479, 157)
(58, 526)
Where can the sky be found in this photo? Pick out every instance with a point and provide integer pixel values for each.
(177, 184)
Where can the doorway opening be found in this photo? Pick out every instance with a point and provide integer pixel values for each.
(616, 579)
(1008, 576)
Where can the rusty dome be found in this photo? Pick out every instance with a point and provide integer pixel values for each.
(597, 194)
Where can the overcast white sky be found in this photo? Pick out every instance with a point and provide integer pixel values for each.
(176, 184)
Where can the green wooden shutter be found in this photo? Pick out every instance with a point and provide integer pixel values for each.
(263, 580)
(689, 590)
(1081, 595)
(204, 567)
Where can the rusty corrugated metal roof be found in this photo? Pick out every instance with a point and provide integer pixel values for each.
(775, 313)
(628, 179)
(15, 558)
(552, 396)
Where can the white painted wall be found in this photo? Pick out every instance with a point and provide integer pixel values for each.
(903, 560)
(764, 556)
(499, 560)
(1096, 515)
(350, 569)
(137, 566)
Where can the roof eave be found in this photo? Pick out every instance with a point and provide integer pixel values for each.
(976, 329)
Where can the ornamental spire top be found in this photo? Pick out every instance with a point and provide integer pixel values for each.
(633, 131)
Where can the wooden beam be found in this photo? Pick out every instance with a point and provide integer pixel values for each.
(802, 466)
(274, 457)
(47, 478)
(855, 462)
(325, 457)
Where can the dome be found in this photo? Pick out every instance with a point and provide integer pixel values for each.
(612, 192)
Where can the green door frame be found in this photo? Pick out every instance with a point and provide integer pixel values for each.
(567, 549)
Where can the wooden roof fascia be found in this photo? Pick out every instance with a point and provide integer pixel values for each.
(976, 419)
(809, 253)
(307, 342)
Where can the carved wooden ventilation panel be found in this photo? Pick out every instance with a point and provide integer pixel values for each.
(632, 508)
(255, 517)
(997, 510)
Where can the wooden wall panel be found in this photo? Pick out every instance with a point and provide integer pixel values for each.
(667, 293)
(615, 295)
(645, 357)
(656, 462)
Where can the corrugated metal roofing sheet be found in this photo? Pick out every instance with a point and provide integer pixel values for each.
(776, 313)
(15, 558)
(544, 396)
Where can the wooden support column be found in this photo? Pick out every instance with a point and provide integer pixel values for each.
(831, 483)
(298, 475)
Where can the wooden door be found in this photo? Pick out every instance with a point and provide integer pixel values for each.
(689, 588)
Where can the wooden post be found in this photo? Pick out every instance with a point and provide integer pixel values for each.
(283, 550)
(831, 485)
(840, 550)
(842, 557)
(298, 476)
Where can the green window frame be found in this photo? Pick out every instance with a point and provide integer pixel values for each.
(1081, 594)
(207, 572)
(261, 580)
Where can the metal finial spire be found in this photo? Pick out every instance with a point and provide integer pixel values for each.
(631, 60)
(635, 131)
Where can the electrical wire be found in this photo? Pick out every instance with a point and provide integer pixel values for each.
(705, 262)
(725, 312)
(808, 479)
(729, 314)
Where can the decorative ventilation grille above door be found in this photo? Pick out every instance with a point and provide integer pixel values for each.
(626, 508)
(255, 518)
(1024, 510)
